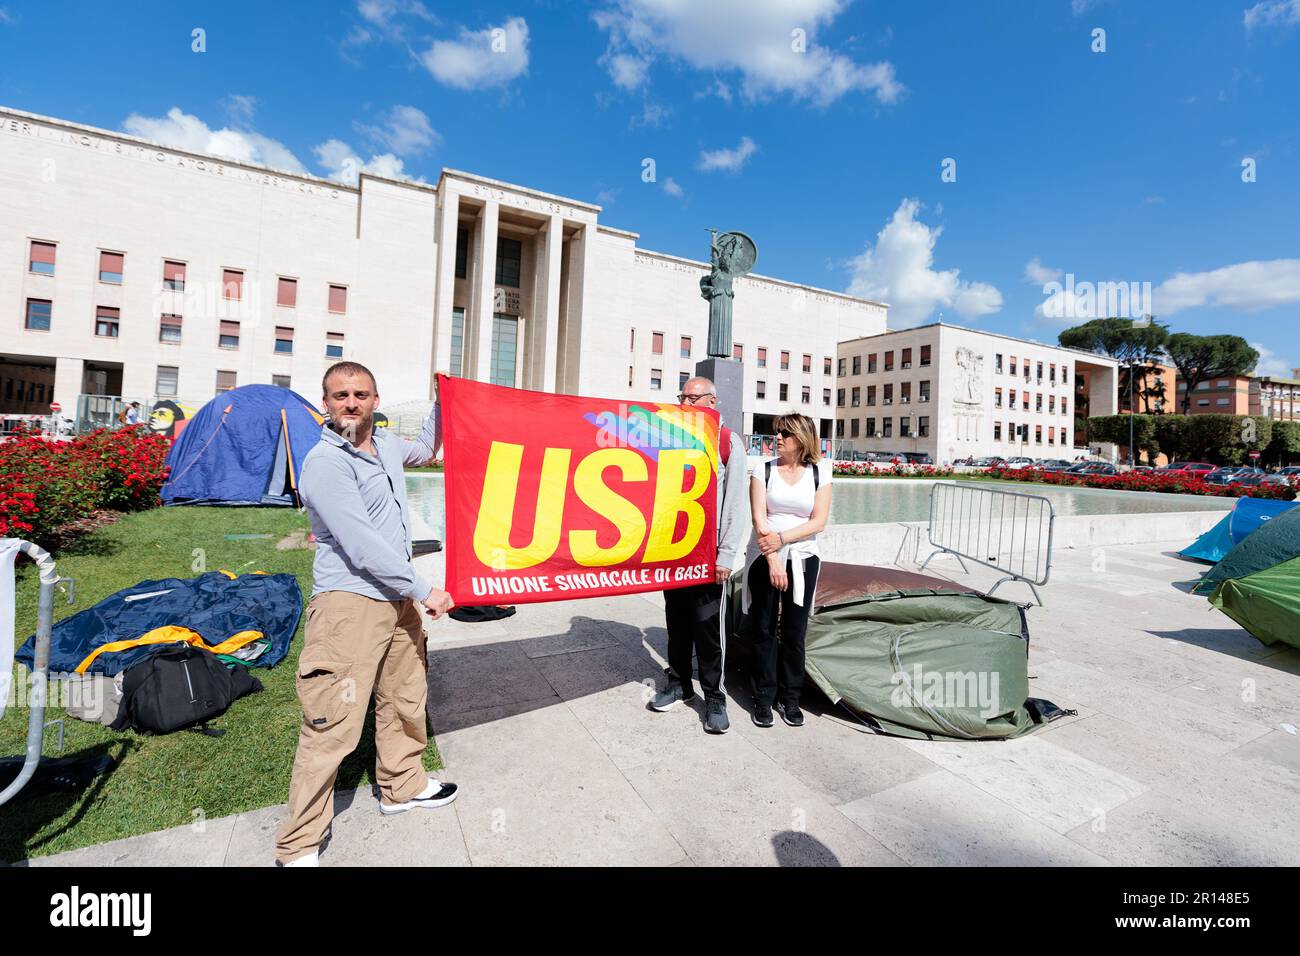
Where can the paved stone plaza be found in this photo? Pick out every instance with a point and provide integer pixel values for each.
(1184, 751)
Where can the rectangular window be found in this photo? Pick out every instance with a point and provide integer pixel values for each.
(107, 321)
(505, 348)
(806, 395)
(887, 428)
(826, 366)
(457, 343)
(826, 396)
(232, 284)
(1051, 373)
(656, 378)
(853, 428)
(907, 358)
(462, 251)
(1038, 434)
(228, 335)
(333, 344)
(629, 376)
(169, 328)
(174, 275)
(225, 381)
(682, 379)
(1039, 376)
(738, 352)
(38, 314)
(889, 361)
(760, 389)
(839, 398)
(1051, 434)
(857, 364)
(871, 428)
(657, 343)
(839, 428)
(997, 362)
(1024, 397)
(41, 258)
(509, 254)
(286, 293)
(871, 395)
(905, 427)
(338, 299)
(997, 431)
(631, 342)
(888, 398)
(905, 393)
(1064, 402)
(1065, 375)
(280, 381)
(785, 392)
(1013, 365)
(1012, 396)
(925, 390)
(1038, 402)
(857, 396)
(283, 340)
(925, 355)
(111, 265)
(686, 346)
(762, 358)
(1051, 404)
(1222, 401)
(165, 384)
(1062, 436)
(807, 364)
(785, 361)
(840, 368)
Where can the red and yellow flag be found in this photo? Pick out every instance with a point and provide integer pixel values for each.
(555, 497)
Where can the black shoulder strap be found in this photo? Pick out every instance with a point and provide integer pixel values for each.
(816, 477)
(767, 475)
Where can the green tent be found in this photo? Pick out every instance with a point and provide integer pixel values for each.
(1275, 541)
(918, 656)
(1266, 603)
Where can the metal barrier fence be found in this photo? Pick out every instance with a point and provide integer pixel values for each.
(1008, 531)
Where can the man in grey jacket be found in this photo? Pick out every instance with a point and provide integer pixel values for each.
(365, 632)
(694, 614)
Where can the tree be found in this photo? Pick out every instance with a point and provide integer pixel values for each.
(1284, 447)
(1202, 357)
(1115, 429)
(1138, 348)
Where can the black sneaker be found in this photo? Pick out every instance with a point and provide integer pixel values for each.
(762, 715)
(791, 714)
(671, 696)
(715, 718)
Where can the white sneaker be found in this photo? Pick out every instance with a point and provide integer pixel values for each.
(308, 859)
(435, 795)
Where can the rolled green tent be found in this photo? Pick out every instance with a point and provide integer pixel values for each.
(1266, 602)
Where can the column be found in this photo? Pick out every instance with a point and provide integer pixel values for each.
(68, 375)
(581, 306)
(444, 293)
(547, 306)
(485, 255)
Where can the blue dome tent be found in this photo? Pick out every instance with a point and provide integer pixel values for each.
(245, 447)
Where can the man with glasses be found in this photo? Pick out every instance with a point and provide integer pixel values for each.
(694, 618)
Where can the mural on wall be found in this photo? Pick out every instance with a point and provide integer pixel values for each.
(970, 377)
(168, 419)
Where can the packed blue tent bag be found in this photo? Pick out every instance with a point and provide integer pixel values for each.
(1250, 513)
(249, 618)
(1213, 545)
(245, 447)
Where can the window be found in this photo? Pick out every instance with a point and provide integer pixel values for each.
(286, 293)
(738, 352)
(462, 252)
(762, 358)
(686, 346)
(1223, 383)
(1024, 397)
(1051, 404)
(997, 363)
(174, 275)
(1038, 434)
(785, 392)
(1221, 401)
(925, 355)
(1012, 396)
(1051, 434)
(509, 254)
(806, 395)
(505, 349)
(871, 394)
(169, 328)
(888, 398)
(1051, 373)
(1039, 376)
(997, 431)
(925, 391)
(760, 389)
(839, 398)
(905, 427)
(657, 343)
(857, 364)
(826, 396)
(907, 358)
(1064, 401)
(225, 381)
(280, 381)
(905, 393)
(889, 361)
(826, 366)
(656, 378)
(871, 428)
(338, 302)
(111, 266)
(853, 428)
(232, 284)
(283, 340)
(1038, 402)
(682, 379)
(228, 335)
(1026, 372)
(107, 321)
(629, 376)
(785, 361)
(165, 384)
(1062, 436)
(1013, 365)
(1065, 376)
(631, 341)
(38, 314)
(457, 343)
(840, 368)
(887, 428)
(857, 396)
(839, 428)
(41, 258)
(807, 364)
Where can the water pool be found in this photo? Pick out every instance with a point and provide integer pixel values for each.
(879, 500)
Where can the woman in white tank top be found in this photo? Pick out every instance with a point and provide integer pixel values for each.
(790, 499)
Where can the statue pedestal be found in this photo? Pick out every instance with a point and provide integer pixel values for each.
(728, 375)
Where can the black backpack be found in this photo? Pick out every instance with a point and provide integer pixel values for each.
(179, 687)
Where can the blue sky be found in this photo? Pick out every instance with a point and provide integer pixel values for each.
(820, 127)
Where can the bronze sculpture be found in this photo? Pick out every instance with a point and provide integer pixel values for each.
(732, 254)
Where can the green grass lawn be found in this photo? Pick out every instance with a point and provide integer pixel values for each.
(168, 781)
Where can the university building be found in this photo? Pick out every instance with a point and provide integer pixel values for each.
(955, 393)
(130, 270)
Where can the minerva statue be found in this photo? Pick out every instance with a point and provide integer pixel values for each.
(733, 254)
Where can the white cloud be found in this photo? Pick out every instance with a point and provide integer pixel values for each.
(898, 270)
(626, 70)
(404, 130)
(755, 38)
(653, 114)
(240, 108)
(490, 57)
(607, 196)
(1249, 286)
(728, 160)
(382, 13)
(342, 163)
(6, 17)
(672, 189)
(1039, 274)
(180, 130)
(1269, 363)
(1272, 13)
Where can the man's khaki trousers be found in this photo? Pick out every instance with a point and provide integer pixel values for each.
(355, 645)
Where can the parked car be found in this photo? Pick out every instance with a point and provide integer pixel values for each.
(917, 458)
(1096, 468)
(1233, 474)
(1054, 464)
(1188, 466)
(987, 462)
(1287, 476)
(1015, 464)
